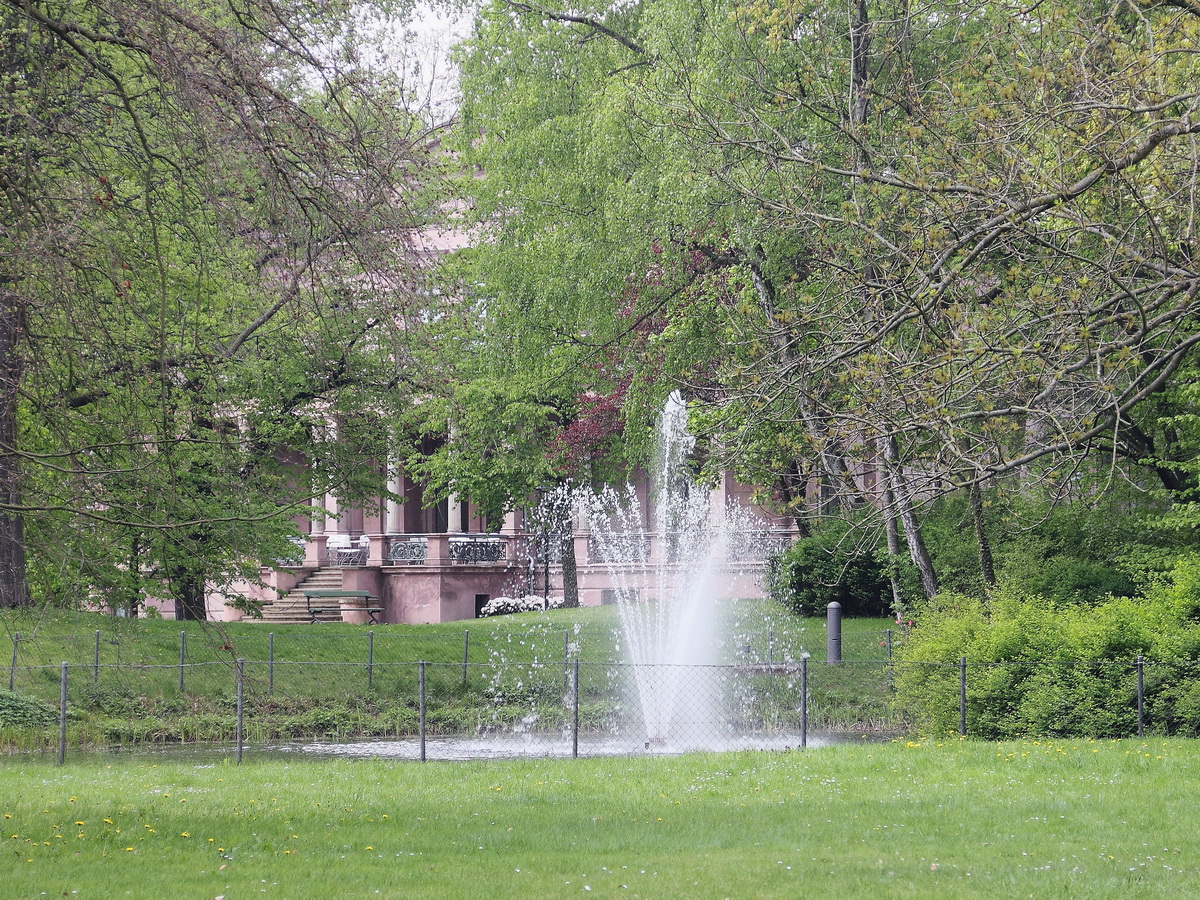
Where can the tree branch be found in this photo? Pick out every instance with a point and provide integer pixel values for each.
(576, 19)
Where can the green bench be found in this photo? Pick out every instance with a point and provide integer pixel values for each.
(314, 610)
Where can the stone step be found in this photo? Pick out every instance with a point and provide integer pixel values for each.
(291, 607)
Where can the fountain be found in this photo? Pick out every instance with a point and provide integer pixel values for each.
(666, 585)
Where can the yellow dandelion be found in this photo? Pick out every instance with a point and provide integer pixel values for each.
(368, 848)
(184, 834)
(107, 821)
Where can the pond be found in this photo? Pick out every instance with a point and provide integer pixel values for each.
(458, 748)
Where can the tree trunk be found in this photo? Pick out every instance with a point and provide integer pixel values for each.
(986, 567)
(892, 532)
(188, 579)
(570, 568)
(190, 602)
(912, 530)
(14, 589)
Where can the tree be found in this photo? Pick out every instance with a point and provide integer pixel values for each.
(949, 244)
(205, 260)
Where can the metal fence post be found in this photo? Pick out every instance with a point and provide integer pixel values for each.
(96, 661)
(421, 703)
(62, 717)
(1141, 696)
(804, 700)
(370, 658)
(962, 696)
(888, 639)
(182, 655)
(575, 713)
(12, 671)
(270, 662)
(770, 645)
(466, 650)
(241, 707)
(566, 660)
(833, 637)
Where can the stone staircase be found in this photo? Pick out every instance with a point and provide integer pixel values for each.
(290, 609)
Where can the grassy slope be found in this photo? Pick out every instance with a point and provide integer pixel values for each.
(1074, 819)
(320, 684)
(49, 637)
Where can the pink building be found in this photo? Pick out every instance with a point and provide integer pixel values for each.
(436, 563)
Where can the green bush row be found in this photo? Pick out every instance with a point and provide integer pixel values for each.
(1038, 666)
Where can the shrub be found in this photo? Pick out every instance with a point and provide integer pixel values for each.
(1043, 667)
(828, 567)
(19, 711)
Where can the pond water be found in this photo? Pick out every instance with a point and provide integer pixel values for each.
(512, 746)
(497, 746)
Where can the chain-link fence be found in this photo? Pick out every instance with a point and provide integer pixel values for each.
(570, 706)
(189, 662)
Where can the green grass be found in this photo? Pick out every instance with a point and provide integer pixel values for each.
(947, 820)
(49, 637)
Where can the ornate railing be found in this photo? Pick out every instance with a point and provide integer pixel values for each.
(296, 557)
(344, 551)
(635, 547)
(474, 549)
(755, 546)
(407, 550)
(619, 547)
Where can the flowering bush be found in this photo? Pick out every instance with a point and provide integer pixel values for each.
(502, 606)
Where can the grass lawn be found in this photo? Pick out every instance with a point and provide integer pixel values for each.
(952, 819)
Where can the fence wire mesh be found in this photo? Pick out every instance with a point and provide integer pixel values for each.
(561, 704)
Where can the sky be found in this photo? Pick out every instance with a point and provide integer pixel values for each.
(419, 51)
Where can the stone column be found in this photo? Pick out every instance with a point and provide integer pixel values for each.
(393, 520)
(454, 514)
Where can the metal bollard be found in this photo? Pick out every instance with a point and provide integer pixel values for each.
(833, 639)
